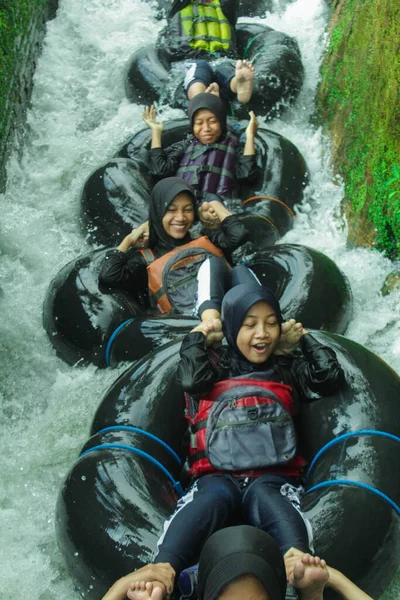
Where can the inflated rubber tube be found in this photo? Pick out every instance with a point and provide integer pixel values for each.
(353, 489)
(88, 324)
(279, 72)
(275, 56)
(78, 317)
(123, 487)
(356, 528)
(139, 336)
(309, 285)
(280, 185)
(146, 75)
(110, 491)
(134, 398)
(116, 195)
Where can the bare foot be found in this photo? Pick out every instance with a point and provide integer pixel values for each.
(244, 80)
(150, 590)
(292, 332)
(213, 88)
(309, 576)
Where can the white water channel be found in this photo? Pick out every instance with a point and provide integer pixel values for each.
(79, 118)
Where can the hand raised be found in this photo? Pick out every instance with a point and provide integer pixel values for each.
(208, 215)
(212, 331)
(292, 332)
(253, 125)
(139, 237)
(150, 118)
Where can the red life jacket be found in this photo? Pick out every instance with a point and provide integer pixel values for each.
(172, 278)
(244, 426)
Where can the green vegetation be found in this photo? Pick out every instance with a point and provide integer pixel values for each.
(21, 27)
(358, 100)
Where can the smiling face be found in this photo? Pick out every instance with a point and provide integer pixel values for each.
(179, 216)
(259, 333)
(206, 127)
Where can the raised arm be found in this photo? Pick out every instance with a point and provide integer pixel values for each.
(317, 370)
(343, 586)
(122, 266)
(197, 369)
(251, 130)
(212, 211)
(247, 169)
(137, 238)
(157, 128)
(223, 228)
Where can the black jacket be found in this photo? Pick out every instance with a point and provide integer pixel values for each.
(128, 270)
(312, 371)
(164, 162)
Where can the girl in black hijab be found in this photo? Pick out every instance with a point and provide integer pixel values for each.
(172, 212)
(242, 460)
(242, 551)
(238, 473)
(211, 159)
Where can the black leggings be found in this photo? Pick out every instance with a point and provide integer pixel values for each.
(215, 501)
(214, 279)
(221, 72)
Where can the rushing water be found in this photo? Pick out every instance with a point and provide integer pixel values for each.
(79, 118)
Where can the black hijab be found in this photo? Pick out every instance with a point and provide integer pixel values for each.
(236, 551)
(212, 103)
(161, 196)
(235, 305)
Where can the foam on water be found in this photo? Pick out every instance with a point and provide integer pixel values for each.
(79, 117)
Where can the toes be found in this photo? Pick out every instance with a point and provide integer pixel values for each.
(298, 570)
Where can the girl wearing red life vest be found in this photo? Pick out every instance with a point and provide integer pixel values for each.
(172, 212)
(258, 370)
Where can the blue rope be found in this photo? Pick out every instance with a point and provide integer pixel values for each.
(364, 486)
(146, 433)
(112, 338)
(346, 436)
(176, 484)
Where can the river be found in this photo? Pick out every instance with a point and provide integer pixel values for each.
(78, 119)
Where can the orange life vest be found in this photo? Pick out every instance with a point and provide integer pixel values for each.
(176, 271)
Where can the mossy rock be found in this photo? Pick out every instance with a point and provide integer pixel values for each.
(391, 283)
(22, 29)
(358, 102)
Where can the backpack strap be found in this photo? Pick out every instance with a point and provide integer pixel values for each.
(148, 255)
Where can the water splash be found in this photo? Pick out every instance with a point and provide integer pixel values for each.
(78, 119)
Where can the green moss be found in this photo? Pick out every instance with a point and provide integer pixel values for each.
(21, 27)
(358, 101)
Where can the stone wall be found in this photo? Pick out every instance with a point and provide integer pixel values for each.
(22, 29)
(359, 104)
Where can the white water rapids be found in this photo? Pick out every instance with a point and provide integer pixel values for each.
(79, 118)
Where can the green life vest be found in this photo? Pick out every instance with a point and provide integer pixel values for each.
(205, 26)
